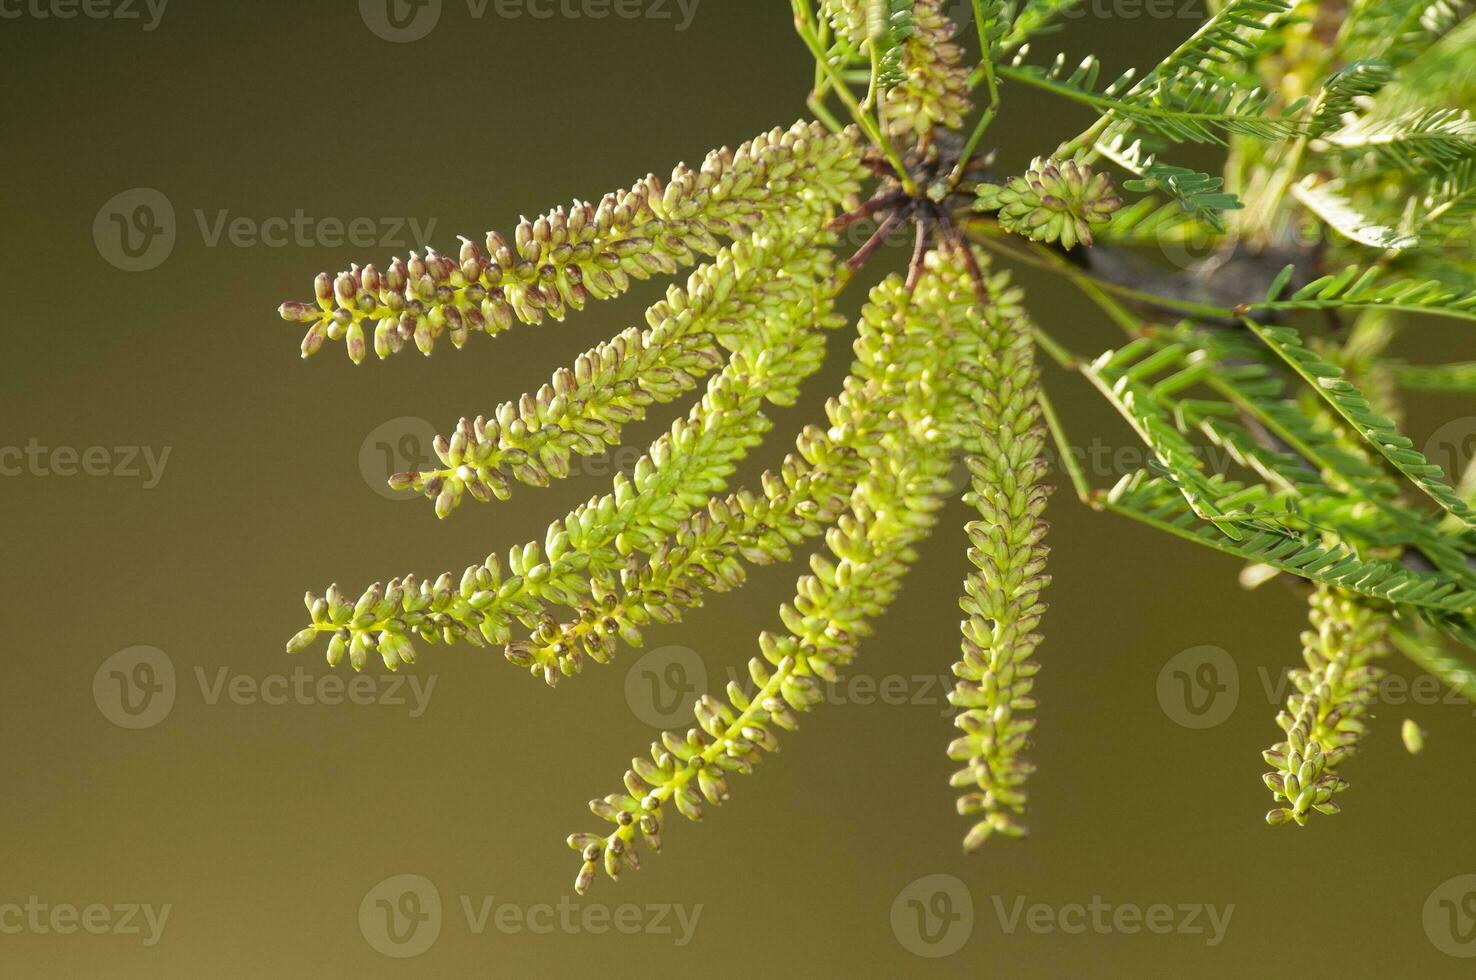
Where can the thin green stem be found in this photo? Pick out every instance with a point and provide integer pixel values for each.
(804, 26)
(816, 102)
(1072, 465)
(987, 235)
(871, 85)
(1055, 349)
(986, 65)
(816, 98)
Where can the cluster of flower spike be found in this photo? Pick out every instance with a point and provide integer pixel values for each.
(584, 408)
(901, 362)
(1053, 202)
(566, 258)
(683, 468)
(1323, 720)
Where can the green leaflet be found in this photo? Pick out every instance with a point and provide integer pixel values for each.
(1158, 502)
(1342, 90)
(1117, 375)
(1397, 31)
(1314, 484)
(997, 24)
(1198, 194)
(1194, 95)
(1328, 381)
(1151, 221)
(1354, 288)
(1444, 214)
(1178, 110)
(1325, 201)
(1036, 17)
(1423, 646)
(1416, 141)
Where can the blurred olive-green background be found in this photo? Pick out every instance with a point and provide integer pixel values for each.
(154, 170)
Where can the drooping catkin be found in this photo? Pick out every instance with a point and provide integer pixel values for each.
(568, 257)
(1324, 718)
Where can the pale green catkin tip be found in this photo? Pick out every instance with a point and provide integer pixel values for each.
(1413, 736)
